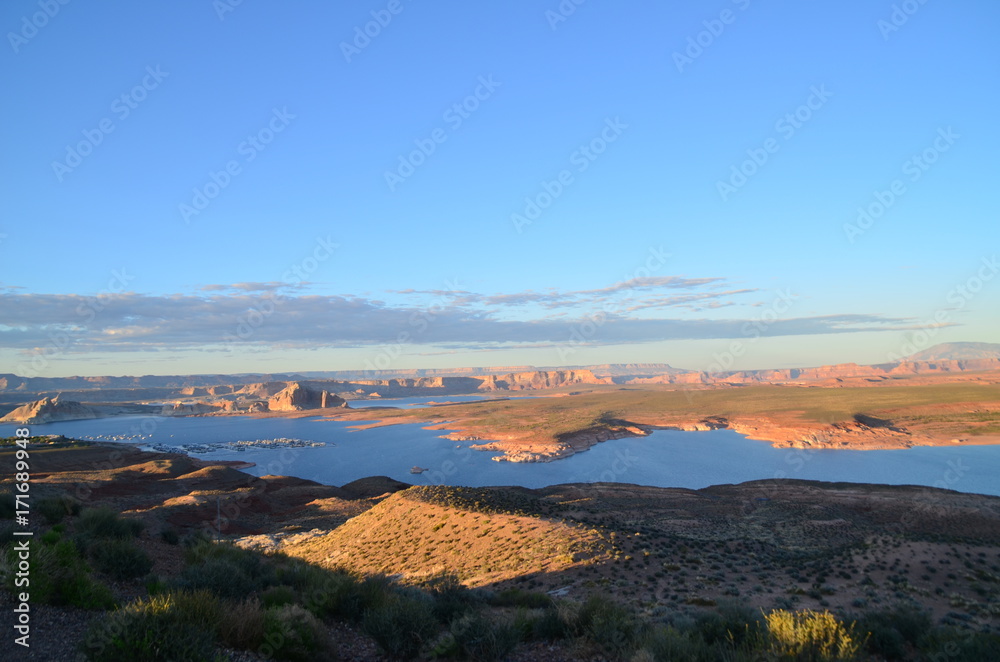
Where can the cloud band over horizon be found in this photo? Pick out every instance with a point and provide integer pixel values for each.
(269, 316)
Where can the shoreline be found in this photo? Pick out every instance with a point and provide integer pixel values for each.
(847, 435)
(785, 431)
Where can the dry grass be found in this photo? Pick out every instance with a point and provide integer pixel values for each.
(811, 635)
(409, 535)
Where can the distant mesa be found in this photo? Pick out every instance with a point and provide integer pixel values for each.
(958, 351)
(49, 410)
(188, 409)
(280, 396)
(400, 383)
(60, 398)
(521, 381)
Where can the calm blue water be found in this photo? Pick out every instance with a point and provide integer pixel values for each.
(665, 458)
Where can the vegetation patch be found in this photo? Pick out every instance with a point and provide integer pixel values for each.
(120, 559)
(173, 626)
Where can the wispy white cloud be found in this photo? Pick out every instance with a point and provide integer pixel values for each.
(624, 293)
(272, 286)
(133, 321)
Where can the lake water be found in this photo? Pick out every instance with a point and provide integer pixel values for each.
(665, 458)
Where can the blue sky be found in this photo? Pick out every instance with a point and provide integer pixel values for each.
(207, 187)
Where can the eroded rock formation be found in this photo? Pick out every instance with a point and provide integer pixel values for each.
(48, 410)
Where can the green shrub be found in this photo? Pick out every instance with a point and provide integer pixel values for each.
(50, 537)
(451, 598)
(54, 509)
(196, 538)
(327, 596)
(951, 644)
(6, 534)
(345, 596)
(608, 624)
(375, 592)
(120, 559)
(219, 576)
(401, 626)
(155, 585)
(730, 623)
(484, 639)
(170, 536)
(103, 523)
(326, 592)
(276, 596)
(242, 624)
(444, 647)
(200, 607)
(811, 636)
(292, 633)
(890, 631)
(299, 574)
(8, 505)
(226, 570)
(540, 624)
(172, 626)
(549, 625)
(516, 597)
(58, 577)
(665, 644)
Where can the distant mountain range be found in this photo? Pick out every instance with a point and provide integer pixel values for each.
(949, 357)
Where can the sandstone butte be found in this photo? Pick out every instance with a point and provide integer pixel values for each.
(49, 410)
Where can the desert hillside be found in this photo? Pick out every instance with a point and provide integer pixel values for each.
(668, 565)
